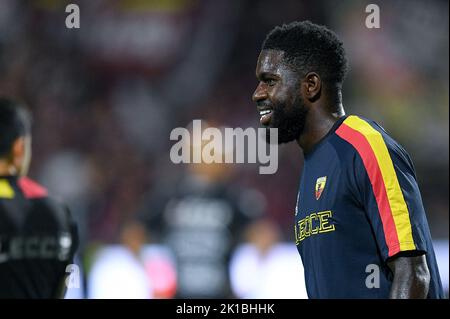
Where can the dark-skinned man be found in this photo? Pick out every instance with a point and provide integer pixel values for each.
(37, 235)
(360, 225)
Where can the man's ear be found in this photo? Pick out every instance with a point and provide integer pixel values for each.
(312, 86)
(18, 151)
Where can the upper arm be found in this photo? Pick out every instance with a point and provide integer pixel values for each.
(408, 262)
(386, 187)
(394, 208)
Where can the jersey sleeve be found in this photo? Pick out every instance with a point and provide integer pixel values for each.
(387, 188)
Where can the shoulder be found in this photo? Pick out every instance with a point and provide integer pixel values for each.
(373, 148)
(41, 201)
(31, 189)
(10, 186)
(368, 138)
(360, 131)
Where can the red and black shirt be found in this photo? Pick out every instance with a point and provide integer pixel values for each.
(38, 239)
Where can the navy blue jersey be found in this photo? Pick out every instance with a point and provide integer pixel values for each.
(359, 205)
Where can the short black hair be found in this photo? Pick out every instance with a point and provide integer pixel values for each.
(309, 47)
(15, 121)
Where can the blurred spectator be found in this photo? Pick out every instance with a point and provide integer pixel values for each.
(264, 267)
(119, 272)
(200, 217)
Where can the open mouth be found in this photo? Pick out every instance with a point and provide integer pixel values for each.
(266, 115)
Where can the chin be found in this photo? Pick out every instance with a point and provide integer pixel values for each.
(283, 137)
(286, 140)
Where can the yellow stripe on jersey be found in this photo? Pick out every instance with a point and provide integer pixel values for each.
(6, 191)
(396, 200)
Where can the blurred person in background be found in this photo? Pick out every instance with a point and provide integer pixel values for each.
(358, 203)
(201, 218)
(118, 272)
(38, 238)
(264, 267)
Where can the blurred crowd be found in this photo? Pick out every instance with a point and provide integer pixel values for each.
(105, 97)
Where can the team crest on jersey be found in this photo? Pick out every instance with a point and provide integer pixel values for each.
(320, 185)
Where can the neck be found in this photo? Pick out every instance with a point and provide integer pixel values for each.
(318, 123)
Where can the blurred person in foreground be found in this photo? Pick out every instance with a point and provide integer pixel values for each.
(360, 225)
(38, 237)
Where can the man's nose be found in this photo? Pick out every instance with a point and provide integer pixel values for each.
(259, 94)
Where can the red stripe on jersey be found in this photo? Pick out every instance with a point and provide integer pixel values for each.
(31, 189)
(373, 170)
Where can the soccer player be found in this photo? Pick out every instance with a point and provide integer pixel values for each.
(37, 235)
(360, 224)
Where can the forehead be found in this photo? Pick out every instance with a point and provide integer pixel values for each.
(271, 62)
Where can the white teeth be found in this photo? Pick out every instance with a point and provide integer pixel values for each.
(264, 112)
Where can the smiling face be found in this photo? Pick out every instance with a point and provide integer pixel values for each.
(278, 96)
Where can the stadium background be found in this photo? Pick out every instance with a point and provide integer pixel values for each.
(106, 96)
